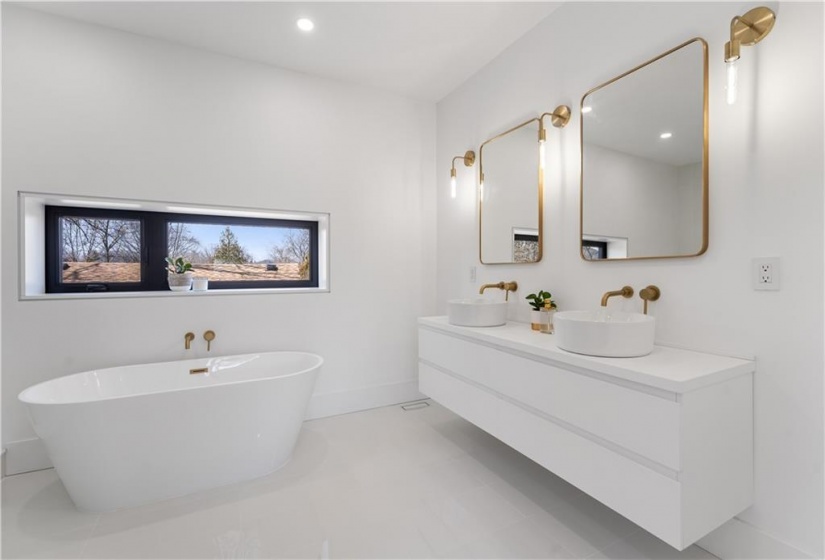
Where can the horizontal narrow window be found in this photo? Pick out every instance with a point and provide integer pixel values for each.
(115, 250)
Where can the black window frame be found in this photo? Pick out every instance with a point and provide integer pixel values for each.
(600, 246)
(154, 244)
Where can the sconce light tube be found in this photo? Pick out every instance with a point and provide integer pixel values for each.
(732, 81)
(542, 142)
(469, 158)
(559, 119)
(452, 183)
(745, 30)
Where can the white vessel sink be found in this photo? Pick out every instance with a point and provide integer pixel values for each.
(476, 312)
(609, 334)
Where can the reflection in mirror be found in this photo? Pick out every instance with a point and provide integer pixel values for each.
(644, 160)
(510, 197)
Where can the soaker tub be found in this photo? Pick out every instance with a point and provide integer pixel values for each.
(126, 436)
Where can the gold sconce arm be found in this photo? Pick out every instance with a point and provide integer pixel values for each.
(558, 118)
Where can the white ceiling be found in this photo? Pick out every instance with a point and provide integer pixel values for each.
(422, 50)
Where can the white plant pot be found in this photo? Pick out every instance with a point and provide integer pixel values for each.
(180, 282)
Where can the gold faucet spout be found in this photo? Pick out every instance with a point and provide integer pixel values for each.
(625, 292)
(506, 286)
(187, 340)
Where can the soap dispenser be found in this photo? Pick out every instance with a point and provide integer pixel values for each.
(547, 317)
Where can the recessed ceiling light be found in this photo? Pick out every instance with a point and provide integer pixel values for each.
(665, 135)
(586, 109)
(305, 24)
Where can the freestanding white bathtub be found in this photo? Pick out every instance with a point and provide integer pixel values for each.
(127, 436)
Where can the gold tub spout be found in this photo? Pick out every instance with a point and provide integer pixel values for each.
(506, 286)
(625, 292)
(187, 340)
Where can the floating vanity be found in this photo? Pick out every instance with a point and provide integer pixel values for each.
(666, 439)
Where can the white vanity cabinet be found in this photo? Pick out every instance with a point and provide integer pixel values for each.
(665, 440)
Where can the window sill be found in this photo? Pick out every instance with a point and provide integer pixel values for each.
(165, 294)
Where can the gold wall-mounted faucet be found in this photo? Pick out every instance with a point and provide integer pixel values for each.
(625, 292)
(187, 340)
(651, 293)
(209, 336)
(506, 286)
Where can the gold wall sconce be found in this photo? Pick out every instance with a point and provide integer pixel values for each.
(559, 119)
(745, 31)
(469, 159)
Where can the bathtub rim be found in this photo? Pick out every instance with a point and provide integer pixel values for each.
(315, 367)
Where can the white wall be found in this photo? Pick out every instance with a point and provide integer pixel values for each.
(766, 199)
(633, 197)
(94, 111)
(689, 202)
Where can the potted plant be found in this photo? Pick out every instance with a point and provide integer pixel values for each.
(539, 301)
(179, 274)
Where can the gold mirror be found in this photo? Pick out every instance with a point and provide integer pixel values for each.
(644, 178)
(510, 196)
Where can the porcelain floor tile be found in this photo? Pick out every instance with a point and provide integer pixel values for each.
(382, 483)
(644, 546)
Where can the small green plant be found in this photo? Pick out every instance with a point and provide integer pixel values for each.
(178, 265)
(538, 300)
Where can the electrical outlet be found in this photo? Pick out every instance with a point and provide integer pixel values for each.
(765, 273)
(472, 275)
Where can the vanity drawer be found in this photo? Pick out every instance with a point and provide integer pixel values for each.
(644, 496)
(621, 418)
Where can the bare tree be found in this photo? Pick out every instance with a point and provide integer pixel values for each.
(181, 242)
(91, 240)
(78, 239)
(293, 249)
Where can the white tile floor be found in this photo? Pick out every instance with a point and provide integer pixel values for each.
(383, 483)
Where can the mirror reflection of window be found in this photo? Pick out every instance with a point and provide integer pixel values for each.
(525, 245)
(644, 162)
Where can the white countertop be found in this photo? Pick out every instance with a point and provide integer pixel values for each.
(670, 369)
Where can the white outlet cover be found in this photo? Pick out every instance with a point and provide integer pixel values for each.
(756, 273)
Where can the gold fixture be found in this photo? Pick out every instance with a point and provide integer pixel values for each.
(625, 292)
(469, 159)
(559, 119)
(540, 184)
(585, 102)
(199, 370)
(745, 30)
(651, 293)
(187, 339)
(209, 336)
(506, 286)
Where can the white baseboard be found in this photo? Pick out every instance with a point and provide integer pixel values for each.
(737, 540)
(343, 402)
(25, 456)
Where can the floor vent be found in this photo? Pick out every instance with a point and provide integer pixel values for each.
(415, 405)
